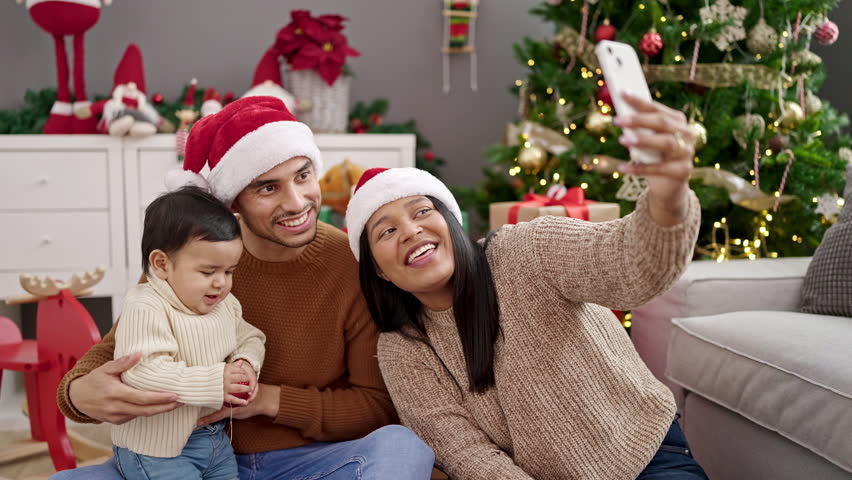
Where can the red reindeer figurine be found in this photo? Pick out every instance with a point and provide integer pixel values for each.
(62, 18)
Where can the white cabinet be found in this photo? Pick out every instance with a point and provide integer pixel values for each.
(71, 202)
(61, 209)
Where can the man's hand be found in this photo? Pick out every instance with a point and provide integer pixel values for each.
(265, 403)
(102, 396)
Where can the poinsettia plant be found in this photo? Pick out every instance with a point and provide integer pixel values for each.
(315, 43)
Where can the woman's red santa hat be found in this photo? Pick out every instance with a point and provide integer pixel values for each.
(246, 139)
(380, 186)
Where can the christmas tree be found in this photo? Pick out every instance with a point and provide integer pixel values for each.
(770, 155)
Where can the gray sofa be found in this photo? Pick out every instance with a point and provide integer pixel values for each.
(765, 392)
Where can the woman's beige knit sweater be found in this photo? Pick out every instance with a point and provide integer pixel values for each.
(573, 400)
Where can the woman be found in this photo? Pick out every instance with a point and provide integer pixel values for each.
(503, 356)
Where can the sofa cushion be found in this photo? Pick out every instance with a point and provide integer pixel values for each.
(789, 372)
(827, 289)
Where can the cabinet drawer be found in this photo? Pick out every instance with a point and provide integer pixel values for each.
(35, 241)
(38, 180)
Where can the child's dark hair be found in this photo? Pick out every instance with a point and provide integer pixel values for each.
(176, 218)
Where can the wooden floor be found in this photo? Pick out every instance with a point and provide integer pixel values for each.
(89, 442)
(36, 467)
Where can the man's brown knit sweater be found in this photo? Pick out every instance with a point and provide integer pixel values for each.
(573, 400)
(320, 348)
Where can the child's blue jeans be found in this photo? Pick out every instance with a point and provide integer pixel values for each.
(207, 455)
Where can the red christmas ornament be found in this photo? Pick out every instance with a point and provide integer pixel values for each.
(429, 156)
(604, 95)
(604, 32)
(228, 98)
(240, 395)
(827, 33)
(157, 98)
(355, 124)
(651, 43)
(376, 119)
(361, 129)
(517, 183)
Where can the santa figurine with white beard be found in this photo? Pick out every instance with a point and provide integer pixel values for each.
(267, 81)
(128, 112)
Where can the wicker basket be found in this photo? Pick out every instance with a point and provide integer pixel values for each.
(329, 105)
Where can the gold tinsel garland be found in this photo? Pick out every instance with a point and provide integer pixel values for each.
(712, 75)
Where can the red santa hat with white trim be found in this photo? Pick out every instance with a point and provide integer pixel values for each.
(246, 139)
(380, 186)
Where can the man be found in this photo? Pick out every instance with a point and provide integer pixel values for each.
(320, 393)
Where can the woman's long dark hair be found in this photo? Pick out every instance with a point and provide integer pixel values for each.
(474, 302)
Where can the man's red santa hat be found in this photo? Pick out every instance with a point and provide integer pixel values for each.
(246, 139)
(267, 80)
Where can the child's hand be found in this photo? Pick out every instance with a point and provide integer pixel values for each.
(252, 377)
(238, 385)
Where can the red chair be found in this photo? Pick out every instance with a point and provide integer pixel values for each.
(64, 332)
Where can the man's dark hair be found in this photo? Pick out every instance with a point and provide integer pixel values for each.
(176, 218)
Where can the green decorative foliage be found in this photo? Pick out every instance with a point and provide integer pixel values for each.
(370, 118)
(32, 116)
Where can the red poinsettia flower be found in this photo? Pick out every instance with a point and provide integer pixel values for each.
(316, 44)
(295, 35)
(332, 22)
(327, 57)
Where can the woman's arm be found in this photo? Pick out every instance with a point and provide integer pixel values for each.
(426, 406)
(626, 262)
(618, 264)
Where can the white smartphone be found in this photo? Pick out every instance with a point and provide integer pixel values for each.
(623, 73)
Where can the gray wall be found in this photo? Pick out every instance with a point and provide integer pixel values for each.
(220, 41)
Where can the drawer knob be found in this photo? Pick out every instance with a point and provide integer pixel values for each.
(46, 240)
(43, 180)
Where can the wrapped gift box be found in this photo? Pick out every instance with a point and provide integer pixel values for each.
(570, 203)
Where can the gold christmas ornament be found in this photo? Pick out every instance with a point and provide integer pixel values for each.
(829, 207)
(748, 126)
(812, 102)
(700, 135)
(793, 114)
(631, 188)
(597, 122)
(806, 59)
(762, 39)
(723, 12)
(845, 154)
(532, 158)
